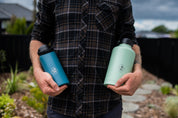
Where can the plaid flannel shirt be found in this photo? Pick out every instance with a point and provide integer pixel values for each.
(83, 33)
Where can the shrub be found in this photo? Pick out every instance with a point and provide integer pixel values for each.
(175, 90)
(165, 90)
(12, 83)
(22, 76)
(18, 26)
(176, 33)
(7, 106)
(37, 100)
(30, 71)
(171, 106)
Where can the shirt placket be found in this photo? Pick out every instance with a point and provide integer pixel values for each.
(81, 59)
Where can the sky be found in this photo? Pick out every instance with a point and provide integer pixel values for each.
(151, 13)
(147, 13)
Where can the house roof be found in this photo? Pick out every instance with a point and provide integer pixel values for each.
(7, 10)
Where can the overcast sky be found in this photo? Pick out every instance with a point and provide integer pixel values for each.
(147, 13)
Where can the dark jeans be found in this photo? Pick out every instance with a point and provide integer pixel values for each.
(115, 113)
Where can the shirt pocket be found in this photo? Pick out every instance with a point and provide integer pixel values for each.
(107, 14)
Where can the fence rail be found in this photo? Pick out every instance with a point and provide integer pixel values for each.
(160, 56)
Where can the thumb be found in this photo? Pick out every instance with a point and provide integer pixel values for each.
(122, 80)
(52, 83)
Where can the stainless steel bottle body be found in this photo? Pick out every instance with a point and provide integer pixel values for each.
(121, 62)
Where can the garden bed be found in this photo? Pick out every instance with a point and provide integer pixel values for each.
(152, 107)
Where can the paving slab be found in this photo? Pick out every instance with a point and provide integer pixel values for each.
(126, 116)
(151, 87)
(141, 91)
(130, 107)
(134, 98)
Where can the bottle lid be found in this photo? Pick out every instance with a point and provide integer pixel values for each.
(44, 49)
(127, 41)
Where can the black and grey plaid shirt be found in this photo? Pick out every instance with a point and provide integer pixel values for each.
(83, 33)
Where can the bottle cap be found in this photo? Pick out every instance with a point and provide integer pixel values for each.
(44, 49)
(127, 41)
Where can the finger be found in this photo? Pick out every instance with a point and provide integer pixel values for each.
(125, 93)
(49, 91)
(52, 83)
(122, 80)
(124, 88)
(112, 87)
(119, 90)
(61, 89)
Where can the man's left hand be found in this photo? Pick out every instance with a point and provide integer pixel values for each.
(128, 84)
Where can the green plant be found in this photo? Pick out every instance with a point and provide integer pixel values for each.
(29, 28)
(30, 70)
(161, 29)
(175, 90)
(22, 76)
(2, 58)
(176, 33)
(18, 26)
(166, 90)
(12, 83)
(37, 100)
(171, 106)
(7, 106)
(22, 81)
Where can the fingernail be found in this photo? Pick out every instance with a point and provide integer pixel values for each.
(116, 85)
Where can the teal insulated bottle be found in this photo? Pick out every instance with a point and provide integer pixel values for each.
(121, 62)
(51, 64)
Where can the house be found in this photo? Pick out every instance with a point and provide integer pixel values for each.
(7, 10)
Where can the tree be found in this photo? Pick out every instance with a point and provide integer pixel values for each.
(34, 9)
(161, 29)
(176, 33)
(18, 26)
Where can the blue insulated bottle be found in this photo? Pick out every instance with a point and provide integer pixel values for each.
(51, 64)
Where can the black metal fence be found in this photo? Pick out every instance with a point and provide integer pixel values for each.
(16, 48)
(160, 56)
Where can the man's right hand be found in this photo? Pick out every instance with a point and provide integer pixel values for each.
(47, 84)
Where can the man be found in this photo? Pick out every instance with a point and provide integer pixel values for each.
(83, 34)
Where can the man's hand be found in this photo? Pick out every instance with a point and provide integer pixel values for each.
(47, 84)
(44, 79)
(128, 84)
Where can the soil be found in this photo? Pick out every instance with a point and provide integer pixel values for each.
(152, 107)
